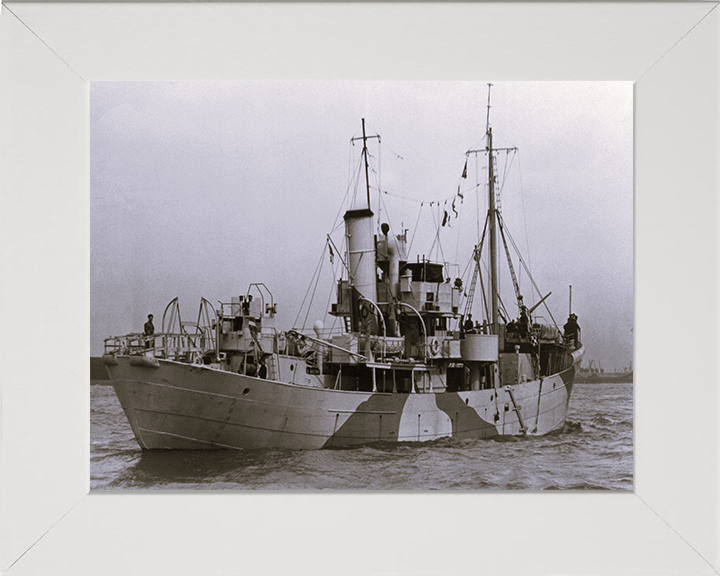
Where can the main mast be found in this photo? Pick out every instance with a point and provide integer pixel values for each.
(492, 216)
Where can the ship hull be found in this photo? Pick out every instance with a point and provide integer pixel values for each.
(173, 405)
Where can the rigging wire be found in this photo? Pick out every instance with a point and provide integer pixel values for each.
(505, 315)
(522, 198)
(458, 230)
(409, 251)
(504, 181)
(465, 273)
(507, 168)
(357, 181)
(477, 259)
(477, 202)
(505, 171)
(532, 280)
(315, 278)
(417, 201)
(329, 300)
(436, 239)
(379, 176)
(485, 310)
(347, 193)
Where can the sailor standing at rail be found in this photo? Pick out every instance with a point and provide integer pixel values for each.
(524, 321)
(149, 330)
(571, 329)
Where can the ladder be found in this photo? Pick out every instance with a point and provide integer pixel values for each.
(477, 253)
(271, 363)
(471, 293)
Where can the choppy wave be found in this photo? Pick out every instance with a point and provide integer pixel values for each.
(569, 427)
(580, 486)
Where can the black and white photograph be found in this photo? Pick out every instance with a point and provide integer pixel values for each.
(361, 285)
(371, 288)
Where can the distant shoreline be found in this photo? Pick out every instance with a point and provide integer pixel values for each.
(604, 378)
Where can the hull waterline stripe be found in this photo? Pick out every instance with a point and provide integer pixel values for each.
(362, 411)
(235, 424)
(193, 390)
(230, 397)
(190, 439)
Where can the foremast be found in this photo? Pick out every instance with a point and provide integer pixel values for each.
(361, 251)
(401, 308)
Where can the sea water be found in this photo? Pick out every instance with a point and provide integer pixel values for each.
(593, 451)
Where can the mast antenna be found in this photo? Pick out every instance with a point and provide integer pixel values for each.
(487, 122)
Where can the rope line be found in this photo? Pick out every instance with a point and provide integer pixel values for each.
(409, 251)
(317, 281)
(522, 198)
(317, 268)
(431, 202)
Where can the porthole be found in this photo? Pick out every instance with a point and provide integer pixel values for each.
(292, 367)
(466, 400)
(246, 391)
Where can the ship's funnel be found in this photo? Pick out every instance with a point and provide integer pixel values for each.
(361, 252)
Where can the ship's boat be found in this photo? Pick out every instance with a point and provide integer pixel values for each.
(408, 365)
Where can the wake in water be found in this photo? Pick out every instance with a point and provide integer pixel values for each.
(568, 428)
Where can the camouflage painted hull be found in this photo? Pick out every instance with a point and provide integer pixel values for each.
(172, 405)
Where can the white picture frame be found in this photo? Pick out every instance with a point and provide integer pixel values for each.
(49, 523)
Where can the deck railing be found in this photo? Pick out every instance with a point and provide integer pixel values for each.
(172, 346)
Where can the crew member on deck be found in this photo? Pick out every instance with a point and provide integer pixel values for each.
(469, 326)
(571, 330)
(524, 321)
(149, 330)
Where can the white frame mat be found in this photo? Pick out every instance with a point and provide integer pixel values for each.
(50, 524)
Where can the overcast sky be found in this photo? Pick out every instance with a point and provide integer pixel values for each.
(198, 189)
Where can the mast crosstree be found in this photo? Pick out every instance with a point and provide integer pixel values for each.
(365, 157)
